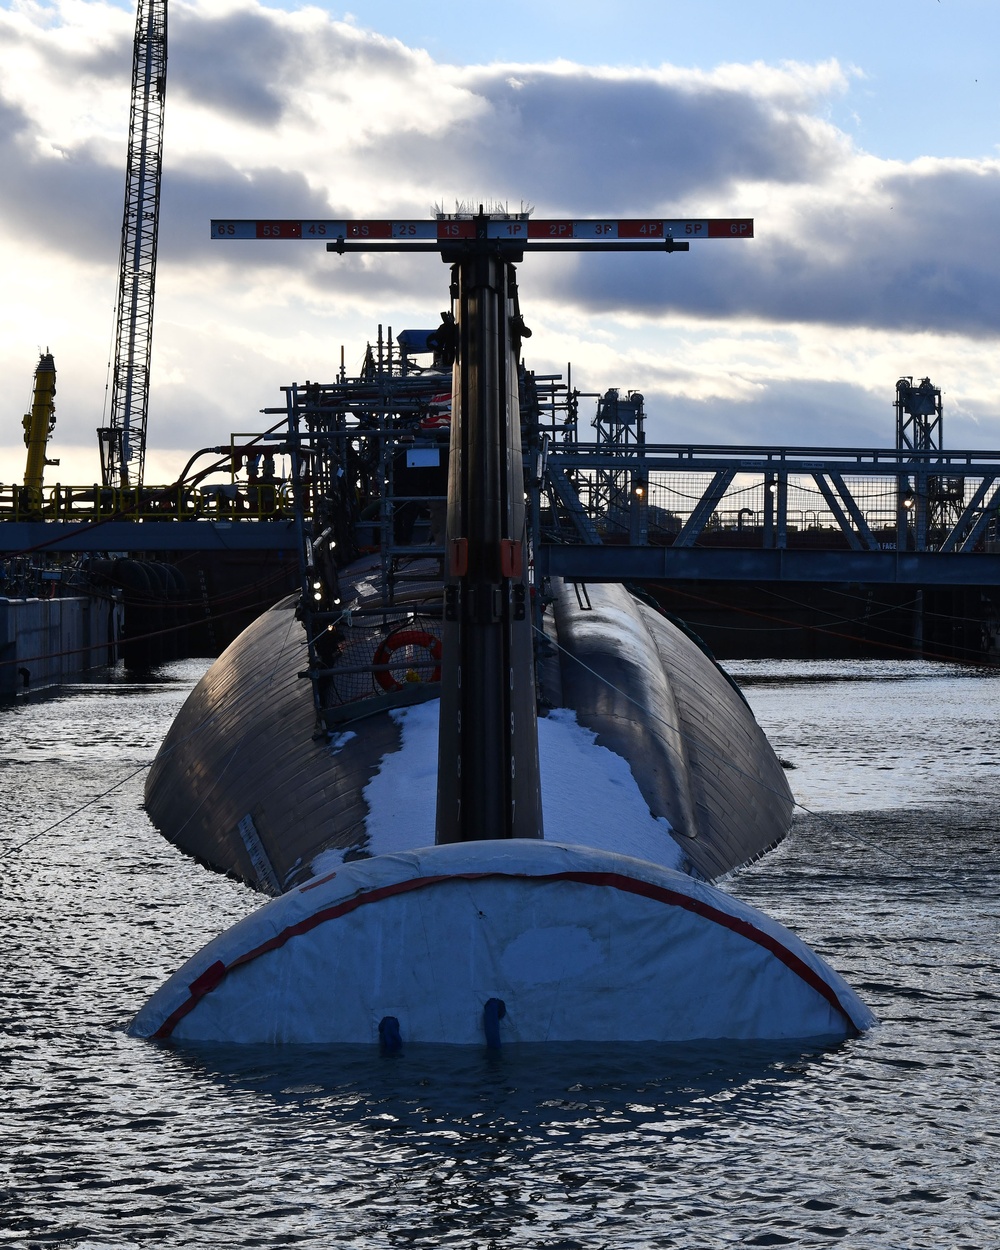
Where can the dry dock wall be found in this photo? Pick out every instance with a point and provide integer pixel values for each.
(52, 639)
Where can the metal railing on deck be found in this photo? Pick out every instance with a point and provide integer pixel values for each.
(235, 501)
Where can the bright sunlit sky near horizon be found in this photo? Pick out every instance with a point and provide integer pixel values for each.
(864, 138)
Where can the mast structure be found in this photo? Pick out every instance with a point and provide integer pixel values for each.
(488, 784)
(488, 776)
(123, 442)
(618, 494)
(928, 505)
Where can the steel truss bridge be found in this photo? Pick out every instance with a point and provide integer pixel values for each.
(684, 512)
(674, 512)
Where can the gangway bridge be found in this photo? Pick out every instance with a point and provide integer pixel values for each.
(762, 513)
(685, 512)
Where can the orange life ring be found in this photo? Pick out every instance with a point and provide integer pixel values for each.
(405, 638)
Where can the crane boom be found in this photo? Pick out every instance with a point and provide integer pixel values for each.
(39, 422)
(123, 442)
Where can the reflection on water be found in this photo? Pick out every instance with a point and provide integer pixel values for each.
(800, 673)
(879, 734)
(889, 1140)
(580, 1090)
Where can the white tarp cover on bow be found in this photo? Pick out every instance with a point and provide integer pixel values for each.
(578, 944)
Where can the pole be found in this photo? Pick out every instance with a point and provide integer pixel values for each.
(488, 777)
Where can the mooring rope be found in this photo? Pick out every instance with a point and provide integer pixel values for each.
(202, 725)
(725, 761)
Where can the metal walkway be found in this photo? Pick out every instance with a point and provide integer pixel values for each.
(693, 489)
(755, 513)
(704, 512)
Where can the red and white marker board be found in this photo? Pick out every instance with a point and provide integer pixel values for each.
(635, 230)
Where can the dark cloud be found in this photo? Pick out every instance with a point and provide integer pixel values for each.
(824, 412)
(110, 60)
(916, 252)
(583, 143)
(242, 63)
(249, 63)
(14, 124)
(70, 205)
(70, 201)
(924, 254)
(67, 201)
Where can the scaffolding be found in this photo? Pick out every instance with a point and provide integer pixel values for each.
(928, 504)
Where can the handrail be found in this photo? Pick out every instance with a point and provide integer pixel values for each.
(888, 460)
(226, 502)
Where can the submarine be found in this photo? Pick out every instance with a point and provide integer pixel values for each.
(488, 812)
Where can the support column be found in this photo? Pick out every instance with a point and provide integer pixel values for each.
(782, 538)
(768, 530)
(488, 780)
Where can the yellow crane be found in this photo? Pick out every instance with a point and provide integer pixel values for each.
(39, 423)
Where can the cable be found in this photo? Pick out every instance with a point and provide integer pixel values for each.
(789, 628)
(941, 616)
(909, 650)
(722, 759)
(147, 764)
(82, 808)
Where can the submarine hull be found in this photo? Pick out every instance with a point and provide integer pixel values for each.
(244, 783)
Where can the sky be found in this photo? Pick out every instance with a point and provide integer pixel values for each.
(863, 138)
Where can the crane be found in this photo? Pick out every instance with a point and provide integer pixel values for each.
(38, 425)
(123, 442)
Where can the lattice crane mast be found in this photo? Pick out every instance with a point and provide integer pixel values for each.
(123, 442)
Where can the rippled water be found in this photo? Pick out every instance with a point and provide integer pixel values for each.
(887, 1141)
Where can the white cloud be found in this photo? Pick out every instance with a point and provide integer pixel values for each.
(862, 269)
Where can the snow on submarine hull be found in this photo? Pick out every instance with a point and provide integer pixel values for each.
(243, 784)
(502, 942)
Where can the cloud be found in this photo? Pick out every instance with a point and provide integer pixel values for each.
(274, 114)
(776, 412)
(243, 63)
(908, 248)
(591, 143)
(65, 203)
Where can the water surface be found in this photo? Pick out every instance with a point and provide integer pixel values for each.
(889, 1140)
